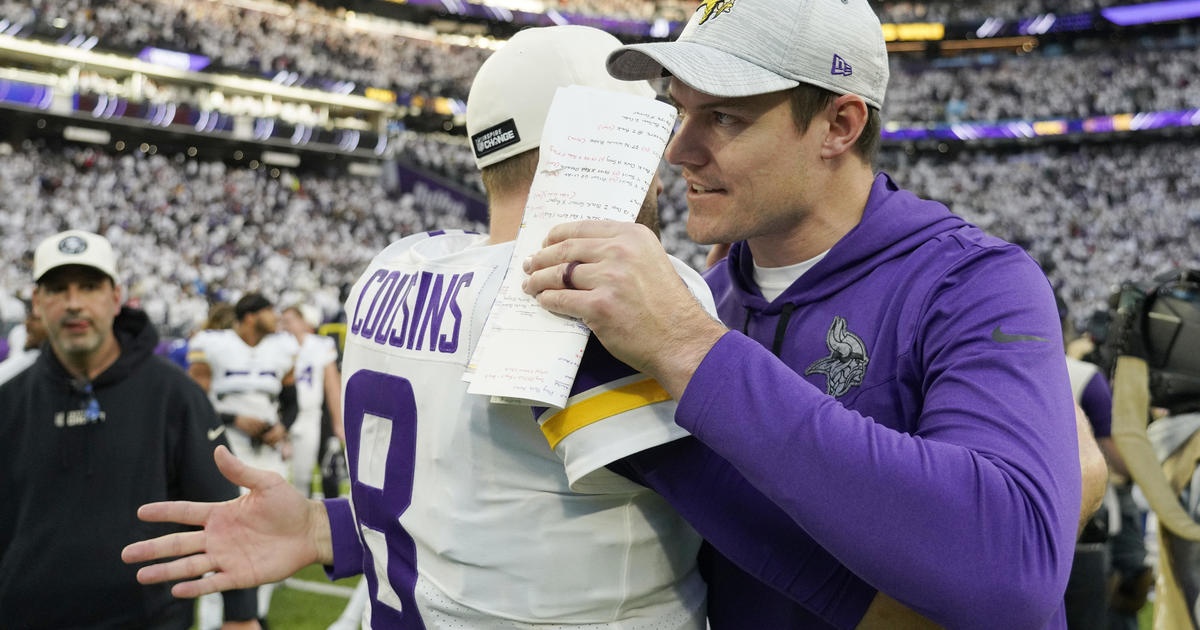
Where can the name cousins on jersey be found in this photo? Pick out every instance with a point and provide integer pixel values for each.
(403, 308)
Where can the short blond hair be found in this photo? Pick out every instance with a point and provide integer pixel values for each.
(512, 176)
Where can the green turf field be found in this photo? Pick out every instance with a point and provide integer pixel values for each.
(304, 610)
(297, 608)
(294, 609)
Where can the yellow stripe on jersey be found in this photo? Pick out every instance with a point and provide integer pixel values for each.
(601, 406)
(197, 355)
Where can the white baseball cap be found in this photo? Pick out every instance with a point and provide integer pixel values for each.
(74, 247)
(310, 314)
(734, 48)
(511, 94)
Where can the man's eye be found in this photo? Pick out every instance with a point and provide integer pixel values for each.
(722, 118)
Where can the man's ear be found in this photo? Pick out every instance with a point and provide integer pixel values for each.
(118, 296)
(847, 119)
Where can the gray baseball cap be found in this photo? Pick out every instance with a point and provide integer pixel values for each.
(734, 48)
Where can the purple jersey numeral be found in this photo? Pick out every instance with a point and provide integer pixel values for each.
(390, 397)
(306, 376)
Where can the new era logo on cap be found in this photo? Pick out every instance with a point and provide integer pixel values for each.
(841, 67)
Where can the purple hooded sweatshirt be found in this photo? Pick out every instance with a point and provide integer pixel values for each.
(906, 404)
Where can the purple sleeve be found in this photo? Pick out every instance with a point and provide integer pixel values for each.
(347, 549)
(970, 518)
(750, 531)
(1096, 402)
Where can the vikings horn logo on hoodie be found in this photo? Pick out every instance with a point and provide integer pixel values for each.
(847, 361)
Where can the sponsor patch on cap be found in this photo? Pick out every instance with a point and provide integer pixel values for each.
(72, 245)
(495, 138)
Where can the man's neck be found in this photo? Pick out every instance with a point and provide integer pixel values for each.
(504, 221)
(249, 333)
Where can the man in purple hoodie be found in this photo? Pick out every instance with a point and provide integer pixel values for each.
(887, 374)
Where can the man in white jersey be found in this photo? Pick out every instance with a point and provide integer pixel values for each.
(247, 372)
(461, 515)
(318, 385)
(24, 355)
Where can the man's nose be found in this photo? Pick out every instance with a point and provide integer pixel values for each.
(683, 149)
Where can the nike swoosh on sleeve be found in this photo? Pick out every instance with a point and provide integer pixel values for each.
(1004, 337)
(215, 433)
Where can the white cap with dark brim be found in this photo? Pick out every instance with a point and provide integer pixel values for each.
(74, 247)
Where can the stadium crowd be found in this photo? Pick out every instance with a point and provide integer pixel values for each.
(323, 48)
(158, 12)
(191, 232)
(195, 231)
(1093, 215)
(1093, 79)
(948, 11)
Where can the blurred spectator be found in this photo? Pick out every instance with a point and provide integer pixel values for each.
(27, 352)
(1091, 214)
(337, 50)
(220, 316)
(1094, 78)
(952, 12)
(96, 427)
(192, 230)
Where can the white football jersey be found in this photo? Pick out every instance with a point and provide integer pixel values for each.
(246, 380)
(464, 511)
(316, 352)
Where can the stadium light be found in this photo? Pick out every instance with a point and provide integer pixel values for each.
(85, 134)
(277, 158)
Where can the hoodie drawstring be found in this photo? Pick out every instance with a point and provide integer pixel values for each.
(785, 316)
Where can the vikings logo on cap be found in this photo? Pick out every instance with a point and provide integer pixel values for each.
(713, 8)
(72, 245)
(847, 362)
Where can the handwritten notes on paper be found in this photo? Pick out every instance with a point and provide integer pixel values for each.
(599, 152)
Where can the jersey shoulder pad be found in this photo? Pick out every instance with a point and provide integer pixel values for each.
(283, 342)
(203, 343)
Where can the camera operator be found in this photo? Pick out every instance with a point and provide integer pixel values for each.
(1110, 553)
(1154, 347)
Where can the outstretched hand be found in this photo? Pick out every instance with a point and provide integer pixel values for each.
(257, 538)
